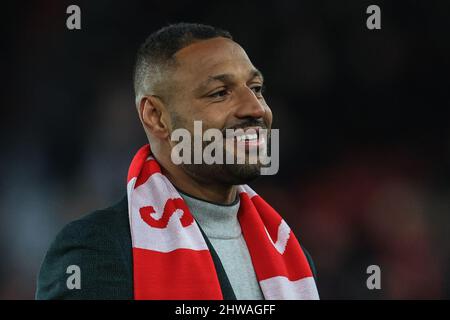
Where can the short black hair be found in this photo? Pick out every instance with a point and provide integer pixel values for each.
(158, 49)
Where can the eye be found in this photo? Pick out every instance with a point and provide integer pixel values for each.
(219, 94)
(258, 89)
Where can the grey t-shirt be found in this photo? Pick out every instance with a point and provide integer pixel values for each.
(221, 226)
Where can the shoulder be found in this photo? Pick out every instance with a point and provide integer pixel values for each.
(98, 229)
(99, 246)
(95, 228)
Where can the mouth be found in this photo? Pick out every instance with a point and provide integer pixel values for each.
(250, 137)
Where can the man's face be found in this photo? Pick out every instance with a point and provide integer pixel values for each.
(216, 83)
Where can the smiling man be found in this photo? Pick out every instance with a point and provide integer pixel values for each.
(191, 230)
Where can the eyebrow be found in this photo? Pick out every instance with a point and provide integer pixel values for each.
(226, 78)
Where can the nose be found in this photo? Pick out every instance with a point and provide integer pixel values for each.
(249, 106)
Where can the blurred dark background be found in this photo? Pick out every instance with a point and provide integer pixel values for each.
(363, 116)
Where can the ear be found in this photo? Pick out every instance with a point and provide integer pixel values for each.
(152, 114)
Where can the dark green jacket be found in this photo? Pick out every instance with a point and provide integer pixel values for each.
(100, 244)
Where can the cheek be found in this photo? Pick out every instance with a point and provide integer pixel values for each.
(183, 114)
(179, 120)
(216, 116)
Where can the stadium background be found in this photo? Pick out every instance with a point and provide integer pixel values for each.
(363, 116)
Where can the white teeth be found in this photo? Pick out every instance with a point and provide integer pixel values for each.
(247, 137)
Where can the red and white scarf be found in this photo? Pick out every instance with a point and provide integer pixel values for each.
(171, 259)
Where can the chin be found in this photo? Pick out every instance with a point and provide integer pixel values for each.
(241, 173)
(230, 174)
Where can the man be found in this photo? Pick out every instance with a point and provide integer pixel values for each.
(188, 230)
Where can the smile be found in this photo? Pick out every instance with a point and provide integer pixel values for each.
(249, 137)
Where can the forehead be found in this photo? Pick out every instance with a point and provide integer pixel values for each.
(218, 55)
